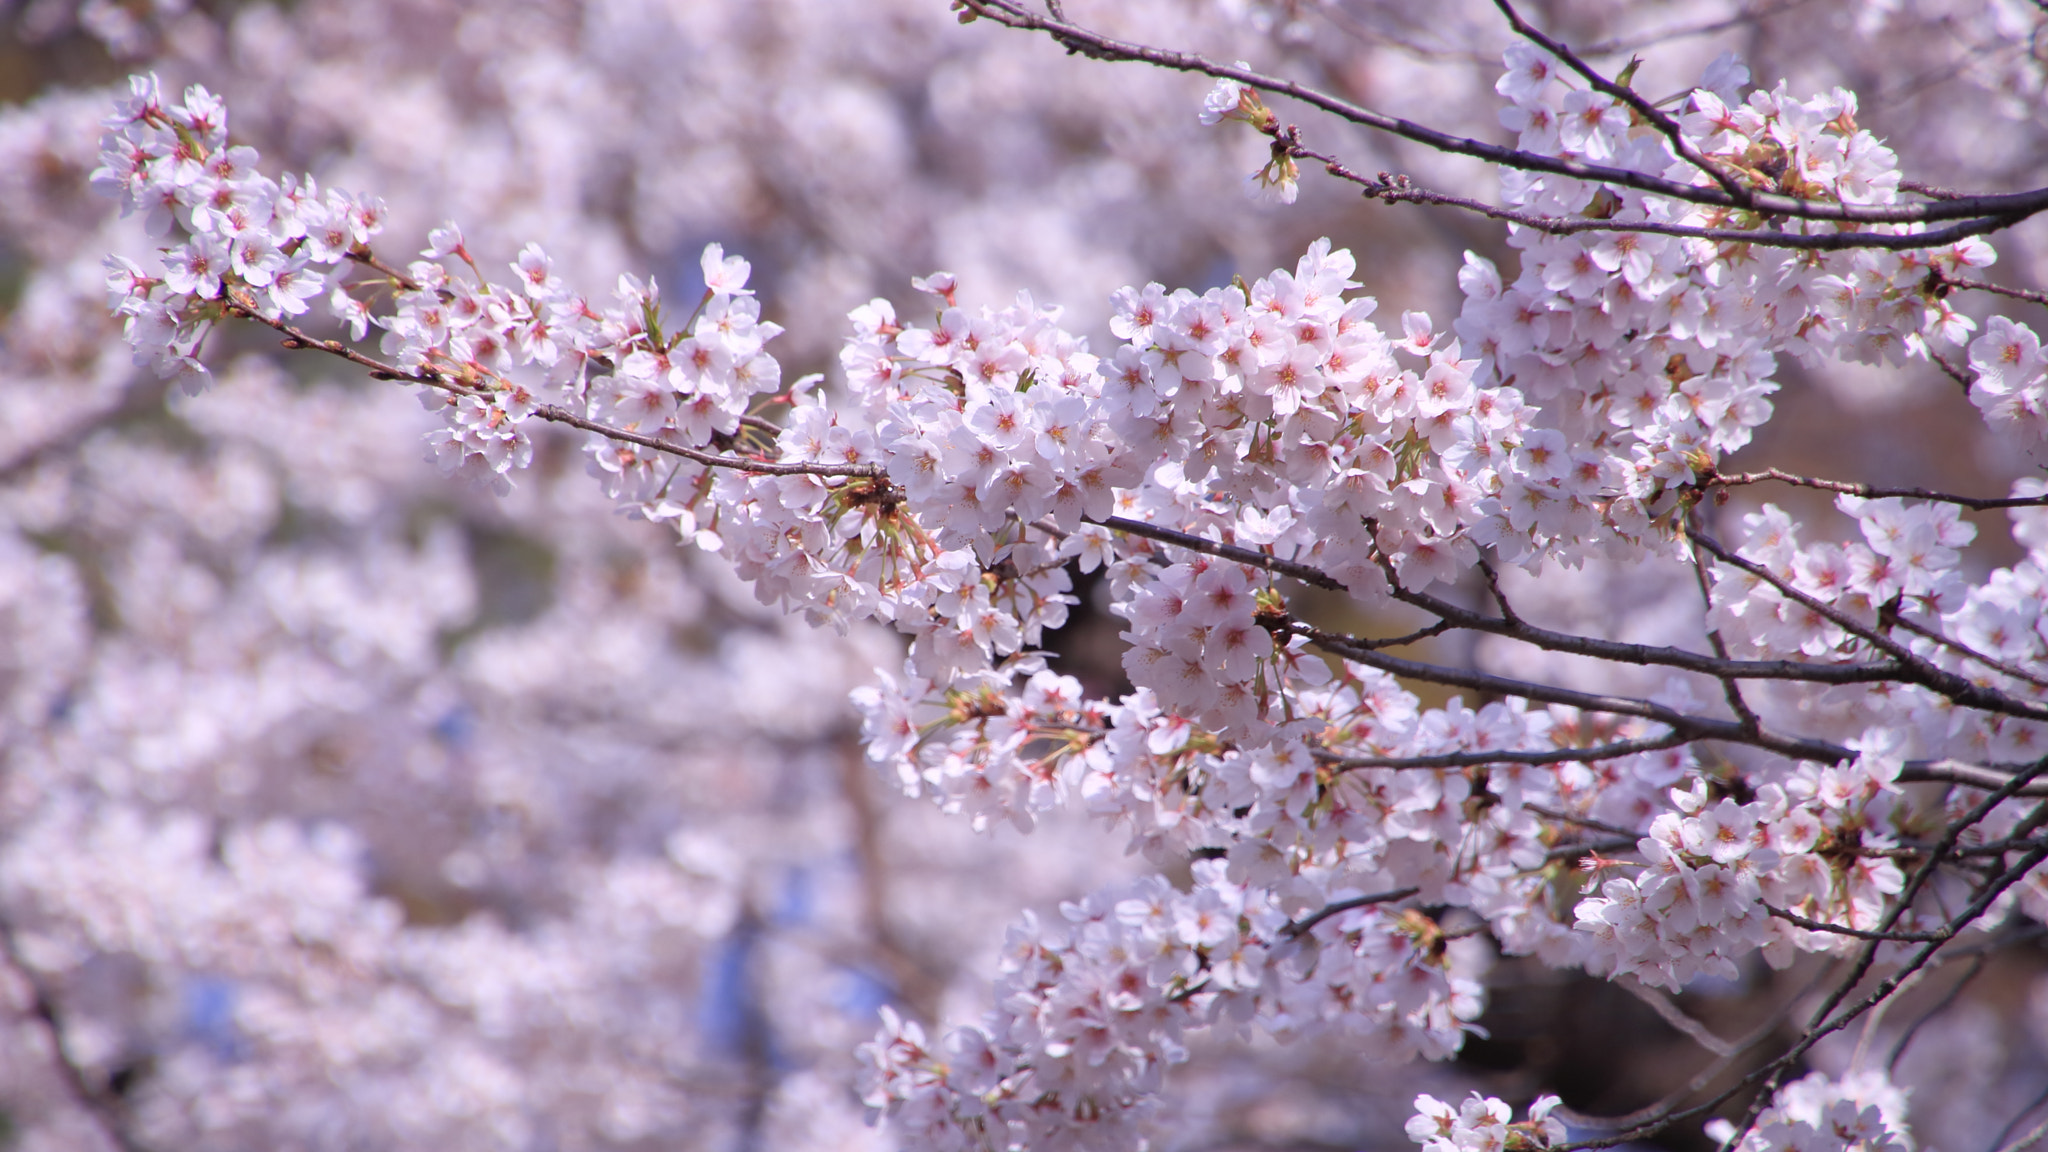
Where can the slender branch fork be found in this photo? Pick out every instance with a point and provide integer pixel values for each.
(432, 378)
(1974, 214)
(1390, 188)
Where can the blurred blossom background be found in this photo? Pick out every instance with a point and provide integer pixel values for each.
(343, 805)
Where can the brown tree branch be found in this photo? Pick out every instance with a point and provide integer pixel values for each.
(1339, 907)
(1655, 116)
(1397, 189)
(1535, 756)
(1873, 492)
(1012, 14)
(296, 338)
(1914, 669)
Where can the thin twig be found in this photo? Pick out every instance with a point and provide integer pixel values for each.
(1812, 925)
(2003, 667)
(1397, 189)
(362, 255)
(1957, 688)
(1771, 1074)
(1656, 117)
(1948, 998)
(1998, 1143)
(1705, 1076)
(296, 338)
(1536, 756)
(1666, 35)
(1630, 835)
(1694, 728)
(1580, 848)
(1730, 689)
(1305, 573)
(1339, 907)
(2026, 294)
(1981, 776)
(1819, 1025)
(1873, 492)
(1507, 611)
(2007, 207)
(1675, 1016)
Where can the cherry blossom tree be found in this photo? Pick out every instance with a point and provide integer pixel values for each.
(1444, 641)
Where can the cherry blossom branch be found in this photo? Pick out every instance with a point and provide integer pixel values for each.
(1581, 848)
(1307, 574)
(1708, 28)
(368, 259)
(1944, 279)
(1620, 652)
(1878, 995)
(1393, 188)
(1585, 822)
(1684, 728)
(1507, 611)
(1705, 1076)
(1691, 727)
(1874, 492)
(1339, 907)
(2003, 1142)
(1819, 1025)
(1940, 680)
(1671, 1014)
(1916, 851)
(1951, 836)
(1771, 1073)
(1968, 775)
(561, 415)
(1417, 636)
(296, 338)
(1535, 756)
(1811, 925)
(1628, 96)
(1730, 689)
(1931, 191)
(1949, 369)
(2012, 207)
(2003, 667)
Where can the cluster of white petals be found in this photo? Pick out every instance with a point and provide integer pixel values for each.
(1862, 1112)
(1232, 451)
(1482, 1123)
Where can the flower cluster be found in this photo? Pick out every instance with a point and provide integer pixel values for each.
(1483, 1124)
(1235, 444)
(1089, 1013)
(1693, 910)
(263, 246)
(1902, 587)
(1862, 1112)
(1814, 843)
(1664, 347)
(2011, 385)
